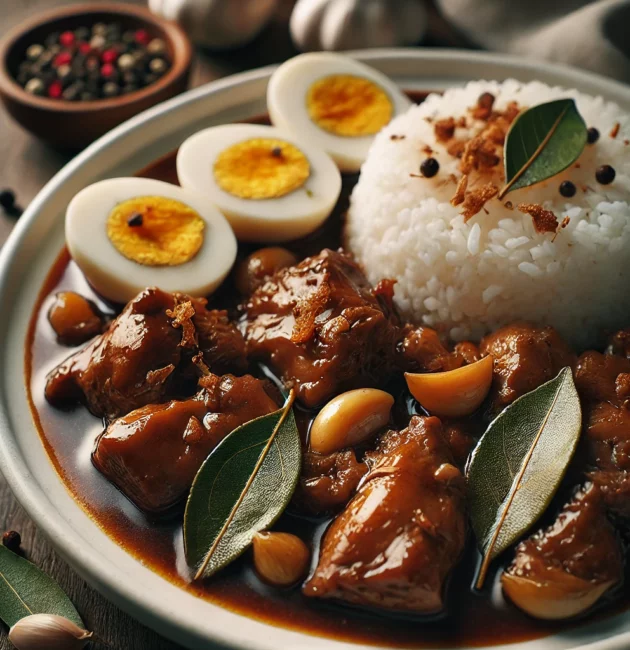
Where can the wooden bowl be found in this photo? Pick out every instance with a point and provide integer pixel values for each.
(73, 125)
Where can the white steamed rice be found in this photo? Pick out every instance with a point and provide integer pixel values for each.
(468, 278)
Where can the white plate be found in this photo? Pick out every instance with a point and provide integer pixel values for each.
(31, 250)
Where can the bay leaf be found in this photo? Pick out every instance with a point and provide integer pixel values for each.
(26, 590)
(519, 463)
(542, 141)
(242, 488)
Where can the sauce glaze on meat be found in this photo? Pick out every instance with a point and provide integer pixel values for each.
(323, 308)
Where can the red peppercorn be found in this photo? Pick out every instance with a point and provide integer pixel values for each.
(63, 58)
(67, 39)
(85, 48)
(109, 56)
(55, 89)
(107, 70)
(142, 37)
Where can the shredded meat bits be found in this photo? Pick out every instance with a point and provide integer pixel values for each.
(544, 220)
(444, 129)
(477, 198)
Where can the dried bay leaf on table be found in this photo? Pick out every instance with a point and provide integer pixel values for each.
(519, 463)
(242, 488)
(26, 590)
(542, 141)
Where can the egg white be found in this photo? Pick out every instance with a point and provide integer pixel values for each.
(119, 279)
(286, 103)
(280, 219)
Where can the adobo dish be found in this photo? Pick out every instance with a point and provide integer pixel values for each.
(341, 355)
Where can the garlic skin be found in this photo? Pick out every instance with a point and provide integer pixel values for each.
(218, 24)
(354, 24)
(48, 632)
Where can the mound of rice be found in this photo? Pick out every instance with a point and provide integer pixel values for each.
(466, 277)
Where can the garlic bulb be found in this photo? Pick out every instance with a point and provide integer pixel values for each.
(48, 632)
(217, 23)
(354, 24)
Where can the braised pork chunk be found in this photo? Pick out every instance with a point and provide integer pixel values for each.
(399, 537)
(153, 453)
(601, 380)
(320, 327)
(328, 481)
(145, 357)
(525, 356)
(563, 570)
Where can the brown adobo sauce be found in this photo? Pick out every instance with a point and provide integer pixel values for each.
(470, 618)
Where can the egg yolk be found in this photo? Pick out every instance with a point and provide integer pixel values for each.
(348, 106)
(155, 231)
(261, 168)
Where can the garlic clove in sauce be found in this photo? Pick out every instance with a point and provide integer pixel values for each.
(454, 393)
(48, 632)
(280, 559)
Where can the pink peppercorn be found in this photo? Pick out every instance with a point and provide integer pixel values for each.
(55, 89)
(66, 39)
(63, 58)
(85, 48)
(109, 56)
(107, 70)
(142, 37)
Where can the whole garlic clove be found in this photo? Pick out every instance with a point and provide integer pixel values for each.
(454, 393)
(280, 559)
(48, 632)
(350, 419)
(563, 596)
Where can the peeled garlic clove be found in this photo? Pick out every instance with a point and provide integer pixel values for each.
(454, 393)
(48, 632)
(281, 559)
(563, 596)
(349, 419)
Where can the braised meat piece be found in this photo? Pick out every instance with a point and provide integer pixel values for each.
(153, 453)
(219, 341)
(461, 436)
(75, 319)
(146, 355)
(328, 481)
(421, 350)
(525, 357)
(320, 327)
(563, 570)
(601, 380)
(401, 534)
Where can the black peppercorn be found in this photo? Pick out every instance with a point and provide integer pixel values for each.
(567, 189)
(276, 152)
(605, 175)
(429, 167)
(135, 220)
(7, 199)
(592, 135)
(12, 540)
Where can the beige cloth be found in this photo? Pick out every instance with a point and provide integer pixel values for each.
(590, 35)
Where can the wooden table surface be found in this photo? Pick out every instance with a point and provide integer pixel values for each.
(25, 166)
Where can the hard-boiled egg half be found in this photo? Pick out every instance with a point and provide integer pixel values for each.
(272, 187)
(335, 103)
(126, 234)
